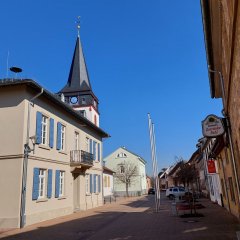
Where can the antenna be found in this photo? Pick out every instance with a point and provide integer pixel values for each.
(16, 70)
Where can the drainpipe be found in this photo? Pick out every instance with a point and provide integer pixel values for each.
(27, 150)
(228, 129)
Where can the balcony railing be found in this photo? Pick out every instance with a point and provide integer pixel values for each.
(80, 157)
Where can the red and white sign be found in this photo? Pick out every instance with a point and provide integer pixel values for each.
(212, 126)
(211, 166)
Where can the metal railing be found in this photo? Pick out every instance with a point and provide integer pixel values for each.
(81, 157)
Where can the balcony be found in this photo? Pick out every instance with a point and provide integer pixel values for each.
(80, 158)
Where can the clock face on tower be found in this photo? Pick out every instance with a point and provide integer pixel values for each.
(73, 100)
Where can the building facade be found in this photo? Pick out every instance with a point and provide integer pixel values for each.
(50, 148)
(126, 163)
(221, 24)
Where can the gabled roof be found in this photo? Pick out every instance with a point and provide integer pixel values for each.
(175, 168)
(55, 99)
(124, 148)
(78, 79)
(139, 157)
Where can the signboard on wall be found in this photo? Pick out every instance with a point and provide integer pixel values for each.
(211, 166)
(212, 126)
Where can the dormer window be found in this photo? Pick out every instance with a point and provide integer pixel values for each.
(122, 155)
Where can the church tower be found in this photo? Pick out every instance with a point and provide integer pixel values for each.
(78, 91)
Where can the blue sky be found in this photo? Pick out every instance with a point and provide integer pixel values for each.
(142, 56)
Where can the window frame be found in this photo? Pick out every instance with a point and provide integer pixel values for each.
(44, 130)
(63, 138)
(61, 183)
(76, 140)
(42, 190)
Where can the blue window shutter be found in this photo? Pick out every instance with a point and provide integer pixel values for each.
(90, 145)
(94, 150)
(99, 183)
(94, 183)
(39, 128)
(51, 133)
(91, 180)
(35, 183)
(59, 125)
(49, 186)
(99, 152)
(57, 183)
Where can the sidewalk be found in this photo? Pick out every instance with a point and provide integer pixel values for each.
(134, 219)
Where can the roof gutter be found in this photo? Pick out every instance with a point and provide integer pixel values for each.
(205, 9)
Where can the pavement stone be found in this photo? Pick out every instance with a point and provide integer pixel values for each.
(134, 219)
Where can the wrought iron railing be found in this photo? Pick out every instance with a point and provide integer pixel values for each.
(81, 157)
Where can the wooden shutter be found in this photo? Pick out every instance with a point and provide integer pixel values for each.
(90, 146)
(39, 128)
(91, 183)
(99, 152)
(95, 183)
(49, 185)
(57, 183)
(51, 133)
(35, 190)
(94, 150)
(59, 126)
(99, 183)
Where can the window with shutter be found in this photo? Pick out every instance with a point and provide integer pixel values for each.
(91, 146)
(39, 128)
(91, 183)
(57, 183)
(59, 135)
(35, 184)
(94, 150)
(99, 152)
(49, 185)
(51, 133)
(95, 183)
(99, 183)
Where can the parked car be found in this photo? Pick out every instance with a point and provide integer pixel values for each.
(174, 192)
(151, 191)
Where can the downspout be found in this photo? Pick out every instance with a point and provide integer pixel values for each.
(27, 150)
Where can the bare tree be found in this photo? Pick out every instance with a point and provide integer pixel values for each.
(186, 173)
(125, 173)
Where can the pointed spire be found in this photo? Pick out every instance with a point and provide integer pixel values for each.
(78, 79)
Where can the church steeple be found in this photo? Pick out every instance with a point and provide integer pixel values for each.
(78, 91)
(78, 79)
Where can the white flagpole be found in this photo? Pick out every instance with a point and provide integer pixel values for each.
(156, 168)
(152, 153)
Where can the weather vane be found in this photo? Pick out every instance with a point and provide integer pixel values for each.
(78, 24)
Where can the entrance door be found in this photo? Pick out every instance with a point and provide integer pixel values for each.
(76, 191)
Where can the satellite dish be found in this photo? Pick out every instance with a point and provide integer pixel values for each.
(15, 69)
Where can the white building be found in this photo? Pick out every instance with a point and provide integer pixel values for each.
(50, 148)
(121, 159)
